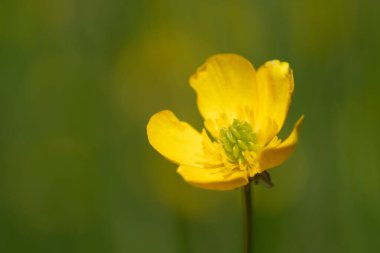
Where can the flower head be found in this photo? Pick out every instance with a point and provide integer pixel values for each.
(243, 111)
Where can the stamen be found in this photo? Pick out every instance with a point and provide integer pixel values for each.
(239, 143)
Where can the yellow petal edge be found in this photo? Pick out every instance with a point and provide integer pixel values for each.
(275, 86)
(276, 155)
(211, 180)
(224, 85)
(174, 139)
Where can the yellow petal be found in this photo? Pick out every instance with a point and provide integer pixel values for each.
(174, 139)
(275, 87)
(276, 153)
(211, 179)
(225, 86)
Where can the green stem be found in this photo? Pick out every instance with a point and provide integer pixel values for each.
(183, 236)
(247, 197)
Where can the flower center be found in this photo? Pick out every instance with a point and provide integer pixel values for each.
(239, 143)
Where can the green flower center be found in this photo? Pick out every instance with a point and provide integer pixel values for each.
(236, 140)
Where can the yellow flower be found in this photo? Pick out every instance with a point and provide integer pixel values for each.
(243, 111)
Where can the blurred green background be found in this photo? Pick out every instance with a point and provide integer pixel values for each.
(80, 79)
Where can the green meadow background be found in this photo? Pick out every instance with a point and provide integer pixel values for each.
(80, 79)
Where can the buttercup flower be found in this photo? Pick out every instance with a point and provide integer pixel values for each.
(243, 111)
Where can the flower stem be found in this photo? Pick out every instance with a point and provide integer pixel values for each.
(247, 199)
(183, 235)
